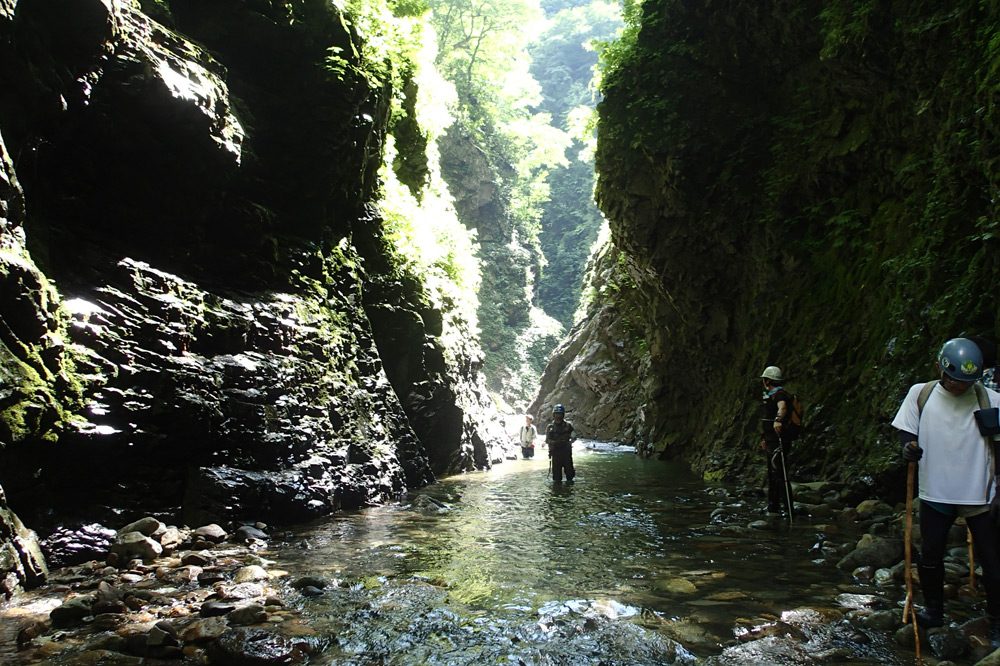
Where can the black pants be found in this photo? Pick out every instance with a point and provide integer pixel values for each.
(777, 484)
(562, 460)
(528, 452)
(934, 526)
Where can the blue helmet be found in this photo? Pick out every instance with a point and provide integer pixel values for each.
(961, 359)
(559, 409)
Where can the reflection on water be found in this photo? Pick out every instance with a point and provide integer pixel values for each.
(506, 565)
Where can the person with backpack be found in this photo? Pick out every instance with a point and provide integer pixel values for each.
(559, 438)
(776, 439)
(527, 437)
(949, 425)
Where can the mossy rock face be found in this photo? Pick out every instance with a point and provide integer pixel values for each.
(202, 192)
(785, 192)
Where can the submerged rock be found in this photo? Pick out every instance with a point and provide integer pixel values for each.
(244, 646)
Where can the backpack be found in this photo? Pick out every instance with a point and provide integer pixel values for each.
(792, 427)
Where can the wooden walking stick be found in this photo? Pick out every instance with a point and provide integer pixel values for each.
(972, 561)
(908, 551)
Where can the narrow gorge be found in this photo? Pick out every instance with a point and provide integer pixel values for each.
(269, 265)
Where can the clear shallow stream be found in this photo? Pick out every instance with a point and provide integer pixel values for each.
(626, 566)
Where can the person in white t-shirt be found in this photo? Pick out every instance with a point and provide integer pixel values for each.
(527, 437)
(957, 475)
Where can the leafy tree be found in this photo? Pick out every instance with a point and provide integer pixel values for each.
(564, 61)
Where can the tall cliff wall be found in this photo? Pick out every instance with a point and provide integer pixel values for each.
(812, 185)
(201, 315)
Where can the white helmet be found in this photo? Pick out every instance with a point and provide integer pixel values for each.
(771, 372)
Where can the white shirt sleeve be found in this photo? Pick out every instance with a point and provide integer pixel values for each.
(908, 416)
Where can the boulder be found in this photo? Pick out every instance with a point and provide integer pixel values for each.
(67, 546)
(136, 545)
(873, 551)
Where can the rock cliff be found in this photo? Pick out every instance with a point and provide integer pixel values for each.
(201, 315)
(811, 185)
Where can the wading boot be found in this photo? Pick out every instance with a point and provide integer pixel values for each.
(932, 583)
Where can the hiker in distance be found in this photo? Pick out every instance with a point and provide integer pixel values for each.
(527, 437)
(559, 438)
(776, 410)
(948, 425)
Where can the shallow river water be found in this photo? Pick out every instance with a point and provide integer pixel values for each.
(626, 566)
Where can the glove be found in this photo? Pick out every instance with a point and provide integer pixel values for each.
(912, 452)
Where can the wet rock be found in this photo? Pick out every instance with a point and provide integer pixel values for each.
(212, 533)
(252, 614)
(992, 659)
(146, 526)
(30, 631)
(884, 578)
(904, 636)
(870, 508)
(206, 578)
(110, 606)
(874, 551)
(310, 591)
(250, 574)
(215, 608)
(248, 646)
(68, 546)
(246, 533)
(308, 581)
(199, 559)
(243, 591)
(863, 573)
(205, 630)
(137, 545)
(887, 620)
(171, 539)
(947, 643)
(103, 658)
(70, 613)
(676, 586)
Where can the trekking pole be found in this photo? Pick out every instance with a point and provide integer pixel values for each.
(908, 552)
(784, 478)
(972, 560)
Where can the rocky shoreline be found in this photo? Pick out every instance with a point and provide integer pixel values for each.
(167, 593)
(876, 564)
(153, 593)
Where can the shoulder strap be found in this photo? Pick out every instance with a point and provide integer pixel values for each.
(982, 396)
(924, 394)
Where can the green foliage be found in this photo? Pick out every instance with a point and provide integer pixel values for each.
(810, 184)
(564, 60)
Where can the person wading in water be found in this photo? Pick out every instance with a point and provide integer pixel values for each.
(949, 425)
(775, 409)
(527, 437)
(559, 439)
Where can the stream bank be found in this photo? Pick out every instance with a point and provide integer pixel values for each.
(639, 562)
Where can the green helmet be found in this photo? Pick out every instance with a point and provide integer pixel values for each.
(961, 359)
(772, 372)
